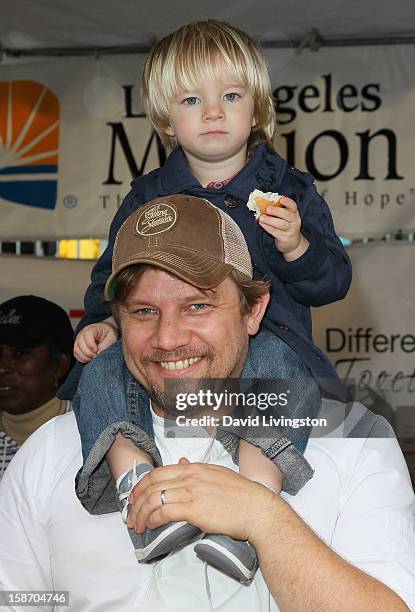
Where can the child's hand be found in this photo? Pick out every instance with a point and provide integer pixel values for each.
(94, 339)
(284, 224)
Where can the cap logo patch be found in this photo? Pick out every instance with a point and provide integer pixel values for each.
(156, 219)
(10, 318)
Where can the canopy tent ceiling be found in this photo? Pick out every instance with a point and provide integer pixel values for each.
(74, 24)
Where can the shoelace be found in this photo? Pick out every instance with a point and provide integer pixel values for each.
(205, 459)
(157, 564)
(207, 588)
(153, 582)
(123, 497)
(209, 591)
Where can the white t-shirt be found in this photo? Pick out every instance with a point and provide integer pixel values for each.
(360, 502)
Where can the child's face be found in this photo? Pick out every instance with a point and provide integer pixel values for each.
(212, 123)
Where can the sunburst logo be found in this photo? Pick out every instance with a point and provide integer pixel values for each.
(29, 139)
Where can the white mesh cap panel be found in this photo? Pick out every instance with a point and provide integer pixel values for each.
(235, 247)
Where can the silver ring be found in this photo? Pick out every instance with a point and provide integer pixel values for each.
(163, 497)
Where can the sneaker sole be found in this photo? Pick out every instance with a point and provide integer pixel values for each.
(221, 558)
(176, 536)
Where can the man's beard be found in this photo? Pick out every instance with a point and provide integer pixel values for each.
(164, 396)
(166, 399)
(157, 396)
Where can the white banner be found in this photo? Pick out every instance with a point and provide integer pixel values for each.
(72, 135)
(347, 116)
(370, 336)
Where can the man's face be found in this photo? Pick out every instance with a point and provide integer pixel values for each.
(28, 378)
(172, 330)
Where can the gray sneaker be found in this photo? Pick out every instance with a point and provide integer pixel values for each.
(153, 543)
(237, 558)
(127, 484)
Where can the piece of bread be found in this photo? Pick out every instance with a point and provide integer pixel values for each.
(259, 201)
(263, 203)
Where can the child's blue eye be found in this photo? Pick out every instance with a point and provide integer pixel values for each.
(231, 97)
(191, 100)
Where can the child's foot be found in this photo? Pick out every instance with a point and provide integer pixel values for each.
(237, 558)
(152, 543)
(126, 483)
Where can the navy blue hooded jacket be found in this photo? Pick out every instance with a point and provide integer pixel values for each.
(320, 276)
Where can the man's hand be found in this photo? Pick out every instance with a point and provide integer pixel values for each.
(94, 339)
(301, 571)
(284, 224)
(211, 497)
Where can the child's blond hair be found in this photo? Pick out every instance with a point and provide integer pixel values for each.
(200, 50)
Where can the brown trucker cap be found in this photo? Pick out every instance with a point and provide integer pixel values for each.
(184, 235)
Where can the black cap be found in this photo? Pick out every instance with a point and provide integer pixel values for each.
(28, 321)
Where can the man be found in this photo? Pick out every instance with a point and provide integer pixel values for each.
(36, 343)
(354, 516)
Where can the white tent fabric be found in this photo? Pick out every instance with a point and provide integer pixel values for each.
(103, 23)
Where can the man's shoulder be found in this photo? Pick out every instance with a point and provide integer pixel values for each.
(65, 433)
(286, 362)
(353, 420)
(58, 437)
(354, 441)
(65, 423)
(44, 457)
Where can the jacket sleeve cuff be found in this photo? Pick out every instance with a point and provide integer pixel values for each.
(305, 266)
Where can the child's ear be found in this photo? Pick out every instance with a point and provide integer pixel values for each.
(254, 121)
(169, 131)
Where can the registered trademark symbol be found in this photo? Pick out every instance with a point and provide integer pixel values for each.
(70, 201)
